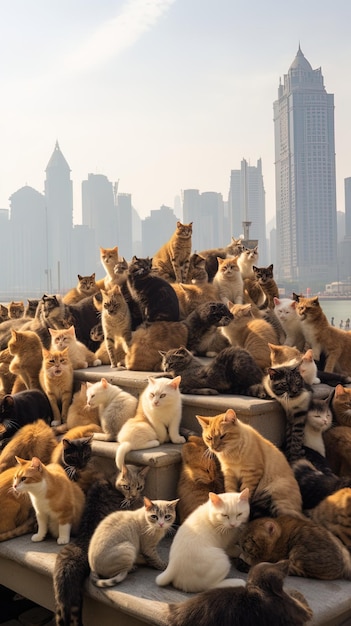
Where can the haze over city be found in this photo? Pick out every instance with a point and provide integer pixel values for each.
(162, 95)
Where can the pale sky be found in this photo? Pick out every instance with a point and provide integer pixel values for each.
(162, 95)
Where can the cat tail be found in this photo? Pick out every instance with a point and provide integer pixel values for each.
(121, 453)
(108, 582)
(230, 582)
(27, 527)
(166, 577)
(70, 572)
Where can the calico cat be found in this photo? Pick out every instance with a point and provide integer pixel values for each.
(116, 322)
(31, 307)
(312, 550)
(204, 338)
(228, 281)
(197, 273)
(86, 286)
(22, 408)
(191, 296)
(324, 338)
(232, 371)
(17, 515)
(58, 502)
(149, 339)
(263, 596)
(109, 258)
(157, 418)
(334, 513)
(125, 538)
(341, 405)
(15, 309)
(172, 260)
(262, 285)
(318, 419)
(199, 474)
(246, 260)
(56, 379)
(156, 298)
(251, 333)
(115, 406)
(35, 439)
(79, 355)
(26, 349)
(249, 460)
(217, 522)
(285, 311)
(234, 248)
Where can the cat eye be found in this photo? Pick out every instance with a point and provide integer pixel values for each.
(163, 395)
(208, 438)
(168, 517)
(222, 436)
(153, 516)
(224, 515)
(126, 487)
(152, 395)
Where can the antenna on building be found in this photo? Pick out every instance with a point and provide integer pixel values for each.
(115, 191)
(246, 227)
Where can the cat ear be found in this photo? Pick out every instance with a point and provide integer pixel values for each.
(339, 390)
(8, 400)
(36, 464)
(276, 300)
(71, 330)
(270, 527)
(144, 470)
(52, 331)
(148, 503)
(203, 421)
(175, 382)
(230, 416)
(20, 461)
(104, 383)
(79, 277)
(244, 495)
(215, 498)
(173, 503)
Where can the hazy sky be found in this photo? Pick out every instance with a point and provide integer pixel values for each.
(163, 95)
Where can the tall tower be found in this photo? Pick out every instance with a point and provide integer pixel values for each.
(305, 178)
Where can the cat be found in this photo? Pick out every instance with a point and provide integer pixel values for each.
(234, 248)
(262, 285)
(204, 338)
(250, 460)
(286, 385)
(312, 550)
(56, 379)
(197, 273)
(116, 323)
(7, 379)
(26, 349)
(83, 316)
(74, 454)
(157, 418)
(156, 298)
(109, 258)
(58, 502)
(324, 338)
(4, 313)
(316, 480)
(15, 309)
(130, 482)
(341, 405)
(149, 339)
(232, 370)
(19, 409)
(51, 313)
(17, 515)
(79, 355)
(199, 474)
(121, 273)
(318, 419)
(217, 522)
(79, 412)
(31, 307)
(251, 333)
(172, 260)
(337, 442)
(334, 513)
(262, 601)
(285, 311)
(35, 439)
(126, 538)
(86, 286)
(228, 281)
(191, 296)
(115, 406)
(246, 260)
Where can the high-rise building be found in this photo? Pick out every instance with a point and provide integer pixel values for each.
(305, 178)
(99, 212)
(206, 211)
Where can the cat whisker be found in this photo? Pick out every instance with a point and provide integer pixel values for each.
(71, 472)
(125, 504)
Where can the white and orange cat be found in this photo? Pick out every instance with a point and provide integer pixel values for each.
(172, 260)
(108, 258)
(228, 280)
(80, 356)
(56, 379)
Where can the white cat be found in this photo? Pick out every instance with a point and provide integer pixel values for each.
(284, 309)
(308, 368)
(115, 406)
(198, 558)
(246, 260)
(80, 356)
(228, 281)
(319, 419)
(156, 421)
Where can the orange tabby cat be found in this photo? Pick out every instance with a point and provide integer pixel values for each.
(173, 258)
(249, 460)
(79, 412)
(147, 341)
(17, 515)
(56, 379)
(337, 442)
(26, 349)
(80, 356)
(191, 296)
(36, 439)
(85, 287)
(58, 502)
(341, 405)
(334, 513)
(108, 258)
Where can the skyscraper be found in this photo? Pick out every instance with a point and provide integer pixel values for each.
(305, 178)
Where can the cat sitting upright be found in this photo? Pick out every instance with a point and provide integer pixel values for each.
(115, 406)
(154, 295)
(172, 260)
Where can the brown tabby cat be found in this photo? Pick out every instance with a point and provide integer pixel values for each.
(116, 322)
(35, 439)
(250, 332)
(85, 287)
(191, 296)
(173, 258)
(26, 349)
(58, 502)
(108, 258)
(324, 338)
(197, 273)
(56, 379)
(16, 310)
(249, 460)
(147, 341)
(199, 474)
(17, 515)
(341, 405)
(312, 550)
(262, 283)
(334, 513)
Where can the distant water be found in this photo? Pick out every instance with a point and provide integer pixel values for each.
(339, 309)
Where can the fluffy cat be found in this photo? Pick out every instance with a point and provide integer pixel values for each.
(15, 310)
(56, 379)
(199, 474)
(22, 408)
(263, 284)
(246, 260)
(36, 439)
(313, 551)
(228, 281)
(341, 405)
(156, 298)
(149, 339)
(318, 419)
(191, 296)
(51, 313)
(126, 538)
(86, 286)
(57, 501)
(249, 460)
(172, 260)
(79, 355)
(156, 421)
(334, 513)
(26, 349)
(234, 248)
(109, 258)
(285, 311)
(17, 515)
(116, 323)
(232, 370)
(204, 338)
(217, 522)
(115, 406)
(263, 596)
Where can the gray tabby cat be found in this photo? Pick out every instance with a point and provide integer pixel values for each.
(130, 482)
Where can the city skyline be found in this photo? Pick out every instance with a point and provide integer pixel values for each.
(175, 103)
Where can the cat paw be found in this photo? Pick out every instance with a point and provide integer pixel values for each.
(179, 439)
(97, 362)
(62, 541)
(37, 537)
(55, 423)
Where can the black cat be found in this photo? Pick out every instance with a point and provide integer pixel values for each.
(19, 409)
(202, 324)
(156, 298)
(76, 455)
(84, 316)
(316, 479)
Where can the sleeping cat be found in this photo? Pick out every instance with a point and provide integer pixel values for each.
(204, 338)
(172, 260)
(157, 418)
(36, 439)
(246, 260)
(26, 349)
(217, 522)
(57, 501)
(312, 550)
(17, 514)
(125, 538)
(228, 281)
(116, 323)
(285, 311)
(149, 339)
(56, 379)
(79, 355)
(115, 406)
(261, 284)
(234, 248)
(22, 408)
(249, 460)
(334, 513)
(263, 596)
(86, 286)
(156, 298)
